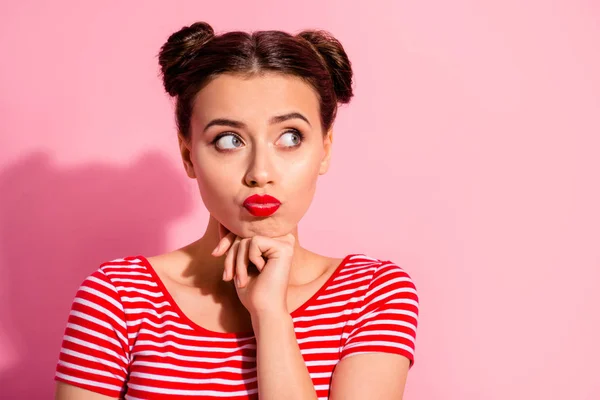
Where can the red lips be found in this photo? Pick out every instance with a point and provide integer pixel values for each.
(261, 205)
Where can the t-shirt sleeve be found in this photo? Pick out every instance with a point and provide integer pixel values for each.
(95, 349)
(387, 320)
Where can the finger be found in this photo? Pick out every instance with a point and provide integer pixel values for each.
(275, 247)
(224, 245)
(230, 260)
(229, 263)
(255, 255)
(290, 238)
(223, 231)
(241, 265)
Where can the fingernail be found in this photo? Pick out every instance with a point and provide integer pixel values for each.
(225, 275)
(237, 281)
(216, 249)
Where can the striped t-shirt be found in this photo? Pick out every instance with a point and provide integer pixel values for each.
(127, 338)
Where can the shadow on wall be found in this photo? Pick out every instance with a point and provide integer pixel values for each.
(56, 226)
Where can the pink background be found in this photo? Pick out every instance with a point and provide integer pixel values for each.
(470, 155)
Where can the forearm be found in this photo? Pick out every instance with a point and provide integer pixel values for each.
(282, 373)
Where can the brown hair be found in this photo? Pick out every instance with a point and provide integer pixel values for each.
(194, 55)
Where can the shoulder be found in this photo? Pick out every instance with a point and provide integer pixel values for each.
(379, 276)
(110, 276)
(115, 287)
(131, 267)
(125, 264)
(376, 267)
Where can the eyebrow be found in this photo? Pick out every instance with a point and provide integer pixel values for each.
(238, 124)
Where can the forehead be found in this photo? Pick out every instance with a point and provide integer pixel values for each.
(256, 97)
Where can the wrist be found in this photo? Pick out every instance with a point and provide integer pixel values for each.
(271, 319)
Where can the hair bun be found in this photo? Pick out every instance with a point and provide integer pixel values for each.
(336, 60)
(181, 47)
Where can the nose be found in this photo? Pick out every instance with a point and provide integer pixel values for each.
(261, 170)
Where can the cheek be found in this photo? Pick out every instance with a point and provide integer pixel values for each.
(214, 182)
(302, 178)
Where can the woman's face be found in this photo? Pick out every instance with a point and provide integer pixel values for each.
(259, 135)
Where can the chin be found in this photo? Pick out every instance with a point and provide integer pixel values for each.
(269, 227)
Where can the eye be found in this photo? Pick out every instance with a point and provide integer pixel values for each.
(292, 138)
(227, 141)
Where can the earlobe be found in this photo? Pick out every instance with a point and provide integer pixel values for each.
(327, 144)
(184, 148)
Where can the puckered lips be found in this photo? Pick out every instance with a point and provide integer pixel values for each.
(261, 205)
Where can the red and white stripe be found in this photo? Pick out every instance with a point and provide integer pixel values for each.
(126, 337)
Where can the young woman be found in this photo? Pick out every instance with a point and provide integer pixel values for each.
(246, 312)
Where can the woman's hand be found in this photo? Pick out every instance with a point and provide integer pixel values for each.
(260, 267)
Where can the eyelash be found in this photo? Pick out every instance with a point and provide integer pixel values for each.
(219, 136)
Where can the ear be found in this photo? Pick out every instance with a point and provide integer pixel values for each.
(327, 143)
(185, 150)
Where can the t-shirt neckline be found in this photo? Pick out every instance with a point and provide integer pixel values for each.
(239, 335)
